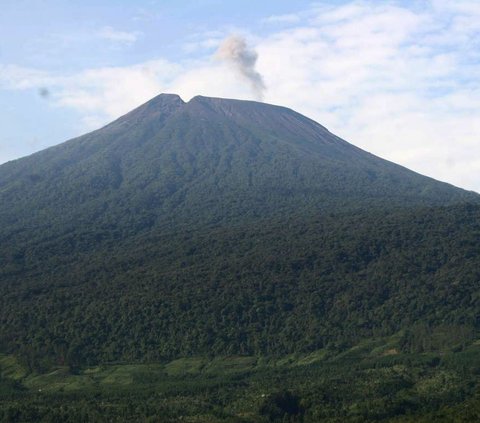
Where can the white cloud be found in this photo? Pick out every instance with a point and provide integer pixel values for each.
(115, 90)
(283, 19)
(387, 79)
(399, 81)
(116, 36)
(100, 94)
(20, 78)
(203, 44)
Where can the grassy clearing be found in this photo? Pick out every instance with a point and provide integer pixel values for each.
(373, 379)
(125, 376)
(10, 368)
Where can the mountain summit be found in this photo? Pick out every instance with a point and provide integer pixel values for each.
(208, 160)
(224, 227)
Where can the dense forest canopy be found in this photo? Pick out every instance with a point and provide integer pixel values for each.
(221, 228)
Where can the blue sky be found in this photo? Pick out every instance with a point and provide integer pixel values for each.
(397, 78)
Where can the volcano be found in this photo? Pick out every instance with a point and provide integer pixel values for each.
(223, 227)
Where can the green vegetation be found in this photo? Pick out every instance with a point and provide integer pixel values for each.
(233, 261)
(371, 382)
(271, 289)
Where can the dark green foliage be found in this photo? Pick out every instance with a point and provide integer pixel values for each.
(356, 387)
(170, 165)
(220, 228)
(271, 288)
(282, 406)
(213, 227)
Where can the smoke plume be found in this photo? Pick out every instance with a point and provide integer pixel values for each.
(234, 50)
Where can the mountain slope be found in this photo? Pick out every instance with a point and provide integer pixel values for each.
(225, 227)
(209, 160)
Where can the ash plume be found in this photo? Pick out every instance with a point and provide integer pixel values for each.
(234, 50)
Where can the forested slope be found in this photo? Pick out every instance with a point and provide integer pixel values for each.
(226, 227)
(268, 289)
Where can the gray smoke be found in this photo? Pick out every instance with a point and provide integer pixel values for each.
(234, 50)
